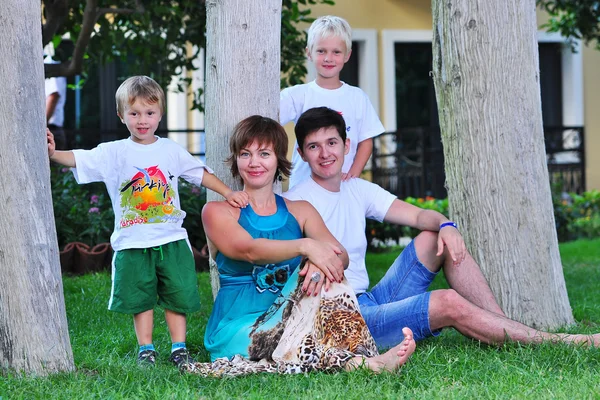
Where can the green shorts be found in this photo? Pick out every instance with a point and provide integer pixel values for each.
(163, 275)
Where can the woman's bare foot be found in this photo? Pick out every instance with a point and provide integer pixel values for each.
(390, 360)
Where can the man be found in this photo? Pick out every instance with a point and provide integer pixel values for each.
(401, 298)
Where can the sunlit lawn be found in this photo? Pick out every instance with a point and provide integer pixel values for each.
(446, 367)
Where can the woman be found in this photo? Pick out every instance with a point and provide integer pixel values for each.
(264, 310)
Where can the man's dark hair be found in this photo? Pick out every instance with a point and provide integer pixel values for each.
(317, 118)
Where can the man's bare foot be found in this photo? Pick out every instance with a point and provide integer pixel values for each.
(390, 360)
(592, 340)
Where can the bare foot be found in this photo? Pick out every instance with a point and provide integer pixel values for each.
(392, 359)
(592, 340)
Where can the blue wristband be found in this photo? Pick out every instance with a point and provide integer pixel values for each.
(452, 224)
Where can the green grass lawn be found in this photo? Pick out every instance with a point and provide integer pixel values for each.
(450, 366)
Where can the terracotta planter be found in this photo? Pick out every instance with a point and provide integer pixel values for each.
(95, 259)
(201, 258)
(78, 258)
(67, 256)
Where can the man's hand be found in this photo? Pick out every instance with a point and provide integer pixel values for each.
(237, 199)
(453, 240)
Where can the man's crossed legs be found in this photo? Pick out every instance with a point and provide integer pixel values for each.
(401, 299)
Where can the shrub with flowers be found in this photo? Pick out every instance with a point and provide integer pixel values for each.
(383, 234)
(193, 199)
(83, 213)
(576, 216)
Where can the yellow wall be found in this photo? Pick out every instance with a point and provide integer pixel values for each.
(416, 14)
(380, 14)
(591, 88)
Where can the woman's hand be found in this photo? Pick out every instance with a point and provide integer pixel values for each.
(324, 256)
(309, 286)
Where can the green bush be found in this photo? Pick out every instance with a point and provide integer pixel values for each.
(576, 216)
(83, 213)
(388, 233)
(193, 199)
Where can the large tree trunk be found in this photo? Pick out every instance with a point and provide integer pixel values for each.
(34, 337)
(486, 73)
(242, 76)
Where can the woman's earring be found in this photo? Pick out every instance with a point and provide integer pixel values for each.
(279, 177)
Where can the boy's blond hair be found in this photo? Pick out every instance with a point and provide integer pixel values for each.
(327, 26)
(139, 87)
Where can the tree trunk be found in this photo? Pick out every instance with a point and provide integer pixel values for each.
(242, 77)
(34, 337)
(486, 74)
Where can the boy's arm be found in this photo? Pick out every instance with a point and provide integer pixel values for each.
(236, 199)
(287, 109)
(66, 158)
(363, 153)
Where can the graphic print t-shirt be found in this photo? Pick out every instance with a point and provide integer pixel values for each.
(142, 184)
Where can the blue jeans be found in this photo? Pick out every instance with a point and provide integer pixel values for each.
(400, 299)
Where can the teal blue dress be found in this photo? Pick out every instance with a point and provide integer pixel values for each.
(248, 291)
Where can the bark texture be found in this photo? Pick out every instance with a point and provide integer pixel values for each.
(34, 337)
(486, 74)
(242, 77)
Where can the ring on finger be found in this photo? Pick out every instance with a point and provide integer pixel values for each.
(315, 277)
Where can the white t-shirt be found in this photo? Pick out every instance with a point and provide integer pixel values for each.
(345, 214)
(56, 85)
(142, 184)
(351, 102)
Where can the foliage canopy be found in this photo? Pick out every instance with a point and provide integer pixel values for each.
(574, 19)
(155, 37)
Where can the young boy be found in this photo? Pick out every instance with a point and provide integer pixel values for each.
(153, 258)
(328, 48)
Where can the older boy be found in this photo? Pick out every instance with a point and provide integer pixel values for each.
(153, 258)
(401, 298)
(329, 47)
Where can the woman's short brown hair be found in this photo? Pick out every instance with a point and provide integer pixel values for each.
(263, 131)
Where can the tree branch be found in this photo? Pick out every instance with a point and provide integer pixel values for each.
(110, 10)
(91, 13)
(139, 8)
(56, 12)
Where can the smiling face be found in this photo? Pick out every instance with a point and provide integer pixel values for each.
(257, 165)
(142, 119)
(329, 54)
(324, 151)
